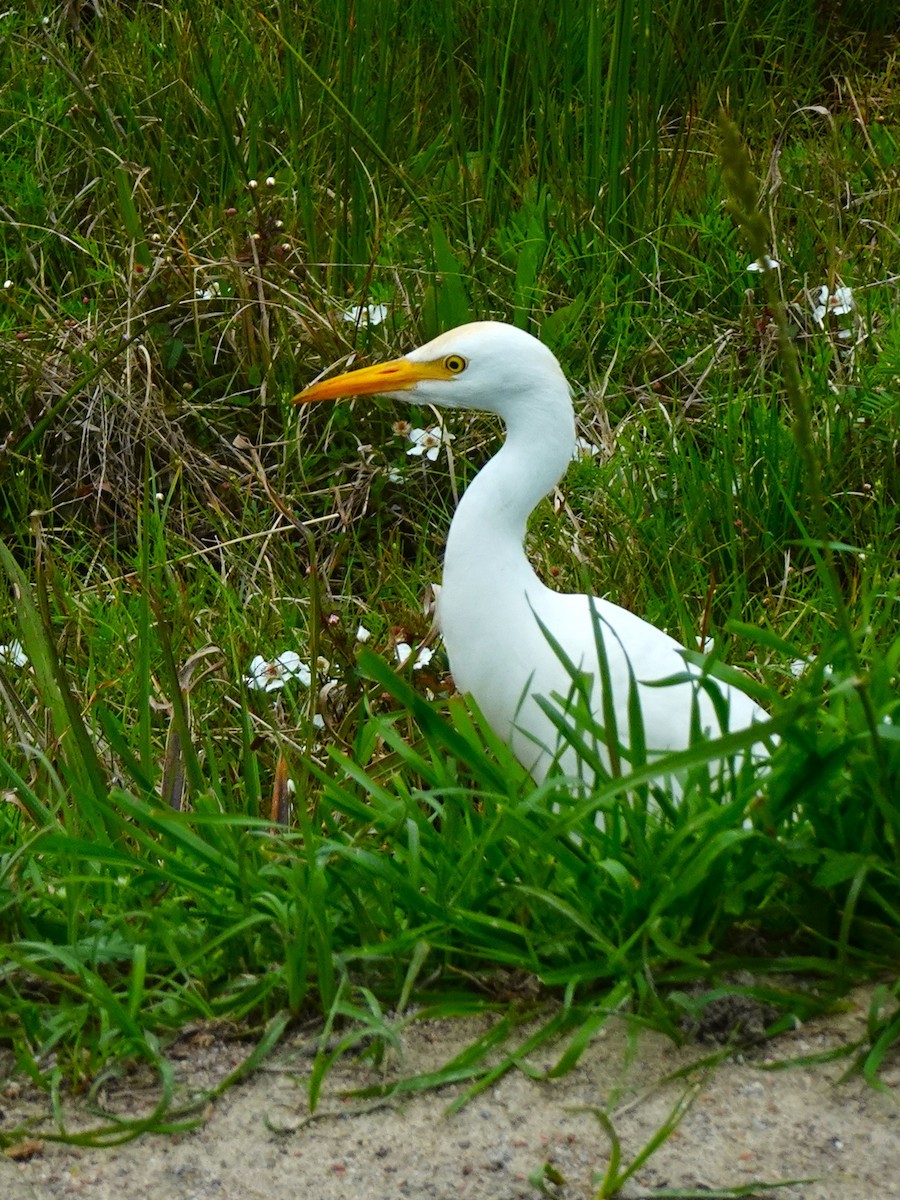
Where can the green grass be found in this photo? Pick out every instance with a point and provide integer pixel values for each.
(166, 514)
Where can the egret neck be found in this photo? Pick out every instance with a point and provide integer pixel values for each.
(485, 543)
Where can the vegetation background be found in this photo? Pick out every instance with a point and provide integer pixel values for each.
(203, 206)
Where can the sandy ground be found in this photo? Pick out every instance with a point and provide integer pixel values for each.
(744, 1126)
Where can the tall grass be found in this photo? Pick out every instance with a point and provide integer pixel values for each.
(164, 519)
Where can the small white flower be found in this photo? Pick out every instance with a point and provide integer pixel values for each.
(269, 675)
(764, 264)
(403, 650)
(14, 653)
(252, 184)
(799, 666)
(363, 634)
(7, 284)
(428, 441)
(584, 449)
(401, 428)
(366, 314)
(841, 301)
(838, 303)
(270, 181)
(209, 293)
(395, 476)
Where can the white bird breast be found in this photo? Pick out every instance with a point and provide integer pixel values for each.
(502, 656)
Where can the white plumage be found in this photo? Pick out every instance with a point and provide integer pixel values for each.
(492, 603)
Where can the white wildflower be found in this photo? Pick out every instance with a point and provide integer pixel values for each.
(363, 634)
(403, 650)
(764, 264)
(428, 441)
(799, 666)
(366, 314)
(269, 675)
(584, 449)
(14, 653)
(838, 303)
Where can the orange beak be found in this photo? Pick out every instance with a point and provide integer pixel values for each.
(396, 376)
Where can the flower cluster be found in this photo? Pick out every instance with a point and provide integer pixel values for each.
(429, 441)
(426, 443)
(837, 303)
(271, 674)
(366, 314)
(584, 449)
(423, 657)
(764, 264)
(827, 305)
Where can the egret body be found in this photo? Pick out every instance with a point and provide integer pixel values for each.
(492, 604)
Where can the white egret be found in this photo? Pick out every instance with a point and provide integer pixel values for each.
(492, 605)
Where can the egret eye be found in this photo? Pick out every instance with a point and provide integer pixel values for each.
(454, 363)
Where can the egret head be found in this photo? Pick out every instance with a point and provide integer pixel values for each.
(487, 365)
